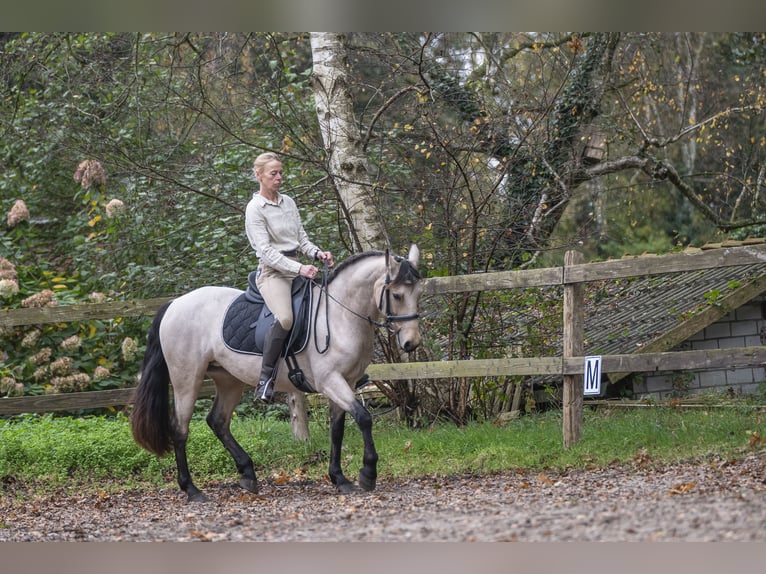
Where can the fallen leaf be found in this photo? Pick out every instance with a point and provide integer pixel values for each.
(282, 477)
(755, 439)
(544, 479)
(682, 488)
(642, 458)
(204, 536)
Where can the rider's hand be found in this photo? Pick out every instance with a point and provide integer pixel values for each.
(309, 271)
(325, 256)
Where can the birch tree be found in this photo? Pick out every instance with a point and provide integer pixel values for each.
(344, 156)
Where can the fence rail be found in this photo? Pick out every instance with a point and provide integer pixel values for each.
(570, 274)
(681, 360)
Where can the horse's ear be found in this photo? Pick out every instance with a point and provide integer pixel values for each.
(414, 255)
(388, 261)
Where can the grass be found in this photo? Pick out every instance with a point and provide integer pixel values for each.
(48, 453)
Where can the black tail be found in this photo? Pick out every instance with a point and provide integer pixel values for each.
(150, 419)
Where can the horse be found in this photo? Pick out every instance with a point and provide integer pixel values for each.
(184, 344)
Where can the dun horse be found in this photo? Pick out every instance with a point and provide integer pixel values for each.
(185, 344)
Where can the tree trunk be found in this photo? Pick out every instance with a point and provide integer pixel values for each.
(347, 163)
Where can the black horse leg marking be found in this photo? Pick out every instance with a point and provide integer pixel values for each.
(368, 474)
(193, 493)
(220, 424)
(337, 430)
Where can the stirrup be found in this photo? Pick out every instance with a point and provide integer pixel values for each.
(265, 391)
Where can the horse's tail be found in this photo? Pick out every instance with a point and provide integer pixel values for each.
(150, 419)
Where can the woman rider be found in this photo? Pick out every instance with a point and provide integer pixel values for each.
(274, 229)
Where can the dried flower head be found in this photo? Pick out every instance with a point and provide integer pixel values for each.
(71, 343)
(18, 213)
(42, 299)
(114, 208)
(101, 373)
(8, 288)
(6, 384)
(129, 349)
(40, 373)
(7, 269)
(62, 366)
(89, 173)
(42, 356)
(96, 297)
(73, 383)
(31, 338)
(9, 386)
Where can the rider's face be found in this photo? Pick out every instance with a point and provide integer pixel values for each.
(271, 177)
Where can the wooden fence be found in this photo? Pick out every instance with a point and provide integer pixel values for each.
(572, 275)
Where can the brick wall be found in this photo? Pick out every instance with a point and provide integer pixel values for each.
(741, 328)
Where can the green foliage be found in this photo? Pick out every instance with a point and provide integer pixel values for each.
(46, 452)
(66, 357)
(473, 142)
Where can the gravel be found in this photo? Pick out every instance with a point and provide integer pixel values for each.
(711, 500)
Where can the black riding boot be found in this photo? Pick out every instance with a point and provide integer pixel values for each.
(272, 349)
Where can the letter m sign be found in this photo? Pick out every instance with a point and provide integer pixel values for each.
(592, 375)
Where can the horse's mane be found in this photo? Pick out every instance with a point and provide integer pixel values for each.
(407, 275)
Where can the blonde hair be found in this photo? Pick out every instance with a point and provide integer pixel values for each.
(261, 161)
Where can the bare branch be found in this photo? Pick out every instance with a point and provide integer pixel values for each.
(660, 170)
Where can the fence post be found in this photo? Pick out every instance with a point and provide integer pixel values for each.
(573, 347)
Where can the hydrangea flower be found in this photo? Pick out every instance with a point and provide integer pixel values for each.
(89, 173)
(71, 343)
(18, 213)
(114, 208)
(8, 288)
(129, 349)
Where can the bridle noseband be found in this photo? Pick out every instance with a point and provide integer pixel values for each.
(390, 319)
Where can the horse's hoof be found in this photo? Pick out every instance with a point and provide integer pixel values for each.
(346, 488)
(249, 484)
(367, 484)
(198, 497)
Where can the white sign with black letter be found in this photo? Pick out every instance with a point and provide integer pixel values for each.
(592, 375)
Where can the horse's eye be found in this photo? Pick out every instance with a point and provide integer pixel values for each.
(397, 297)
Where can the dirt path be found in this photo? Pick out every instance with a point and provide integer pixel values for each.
(706, 501)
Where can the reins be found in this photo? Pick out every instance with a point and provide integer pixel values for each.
(388, 323)
(322, 289)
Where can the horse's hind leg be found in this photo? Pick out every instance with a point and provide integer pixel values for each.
(181, 435)
(228, 394)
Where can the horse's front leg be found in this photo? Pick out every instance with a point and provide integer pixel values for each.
(337, 430)
(368, 474)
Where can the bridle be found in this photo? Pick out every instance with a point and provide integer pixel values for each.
(385, 295)
(389, 317)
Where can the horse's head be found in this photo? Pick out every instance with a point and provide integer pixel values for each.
(399, 297)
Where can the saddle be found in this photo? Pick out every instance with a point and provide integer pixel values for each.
(248, 319)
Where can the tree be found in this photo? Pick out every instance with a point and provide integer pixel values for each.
(347, 163)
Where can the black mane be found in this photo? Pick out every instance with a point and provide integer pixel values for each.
(407, 275)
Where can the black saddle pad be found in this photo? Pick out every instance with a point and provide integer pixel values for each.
(248, 319)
